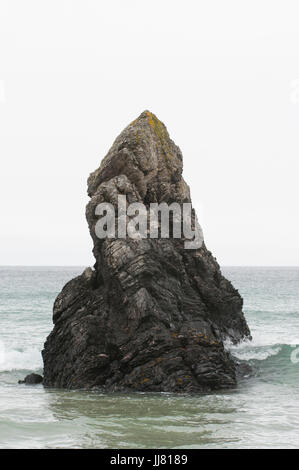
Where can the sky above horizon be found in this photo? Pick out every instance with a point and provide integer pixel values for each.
(222, 76)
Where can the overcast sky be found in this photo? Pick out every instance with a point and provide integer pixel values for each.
(222, 75)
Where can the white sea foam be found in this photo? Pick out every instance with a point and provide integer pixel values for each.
(267, 341)
(257, 353)
(17, 359)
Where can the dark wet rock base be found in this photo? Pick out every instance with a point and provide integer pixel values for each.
(32, 379)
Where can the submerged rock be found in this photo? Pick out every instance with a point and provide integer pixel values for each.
(151, 315)
(32, 379)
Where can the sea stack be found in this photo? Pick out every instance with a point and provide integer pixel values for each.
(151, 315)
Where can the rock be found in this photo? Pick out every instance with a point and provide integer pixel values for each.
(32, 379)
(244, 370)
(151, 315)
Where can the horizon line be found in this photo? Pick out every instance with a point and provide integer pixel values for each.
(87, 265)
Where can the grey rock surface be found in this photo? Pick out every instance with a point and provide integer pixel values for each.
(32, 379)
(151, 315)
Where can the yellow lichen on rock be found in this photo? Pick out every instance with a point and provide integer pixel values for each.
(143, 381)
(160, 131)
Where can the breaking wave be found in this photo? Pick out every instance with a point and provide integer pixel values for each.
(17, 359)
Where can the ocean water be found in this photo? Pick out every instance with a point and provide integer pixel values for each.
(262, 412)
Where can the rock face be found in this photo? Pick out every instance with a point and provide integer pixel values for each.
(32, 379)
(151, 315)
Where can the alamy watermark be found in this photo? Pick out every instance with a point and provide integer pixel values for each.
(137, 221)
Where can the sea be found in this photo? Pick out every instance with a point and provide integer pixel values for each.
(261, 412)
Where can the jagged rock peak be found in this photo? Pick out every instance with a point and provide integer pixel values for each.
(144, 152)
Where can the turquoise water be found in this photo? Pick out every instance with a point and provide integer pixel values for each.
(261, 412)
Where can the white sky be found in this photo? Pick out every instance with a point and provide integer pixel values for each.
(222, 75)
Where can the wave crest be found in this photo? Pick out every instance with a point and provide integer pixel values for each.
(18, 359)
